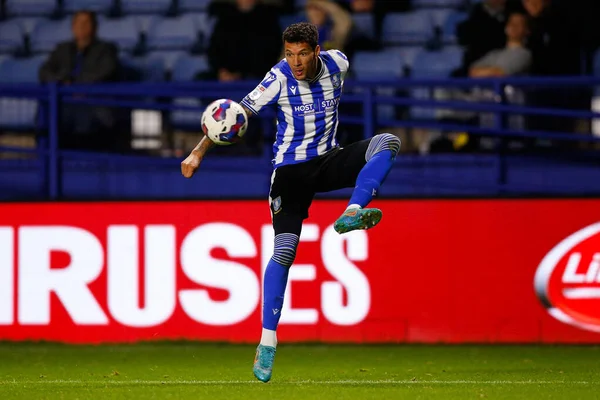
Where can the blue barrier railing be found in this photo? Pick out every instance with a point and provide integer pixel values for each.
(366, 94)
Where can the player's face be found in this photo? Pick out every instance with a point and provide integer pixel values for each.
(302, 59)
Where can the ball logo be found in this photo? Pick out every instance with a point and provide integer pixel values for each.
(567, 281)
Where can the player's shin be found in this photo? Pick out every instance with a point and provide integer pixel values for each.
(380, 159)
(275, 282)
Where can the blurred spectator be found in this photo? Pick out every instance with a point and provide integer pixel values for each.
(334, 23)
(554, 39)
(483, 31)
(85, 59)
(245, 43)
(513, 59)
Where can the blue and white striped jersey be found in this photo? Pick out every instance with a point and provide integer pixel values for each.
(307, 111)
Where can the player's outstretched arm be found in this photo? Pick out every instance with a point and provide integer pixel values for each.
(190, 165)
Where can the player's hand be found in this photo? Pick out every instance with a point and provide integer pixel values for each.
(190, 165)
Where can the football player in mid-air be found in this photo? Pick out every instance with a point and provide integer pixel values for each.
(306, 87)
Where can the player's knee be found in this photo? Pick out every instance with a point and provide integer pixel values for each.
(285, 249)
(383, 142)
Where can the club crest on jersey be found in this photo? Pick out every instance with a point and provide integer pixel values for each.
(336, 80)
(276, 204)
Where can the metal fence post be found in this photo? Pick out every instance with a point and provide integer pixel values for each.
(369, 126)
(499, 125)
(53, 155)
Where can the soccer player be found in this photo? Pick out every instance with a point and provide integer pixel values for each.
(306, 87)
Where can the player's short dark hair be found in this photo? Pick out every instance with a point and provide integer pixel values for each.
(91, 14)
(302, 32)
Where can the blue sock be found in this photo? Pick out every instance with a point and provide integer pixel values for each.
(276, 277)
(371, 177)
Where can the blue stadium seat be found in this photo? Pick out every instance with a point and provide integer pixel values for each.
(186, 68)
(415, 27)
(11, 37)
(168, 58)
(178, 33)
(99, 6)
(28, 24)
(193, 5)
(18, 113)
(437, 64)
(370, 66)
(446, 21)
(365, 23)
(124, 32)
(31, 7)
(149, 68)
(187, 119)
(204, 25)
(146, 6)
(433, 64)
(440, 3)
(48, 34)
(378, 65)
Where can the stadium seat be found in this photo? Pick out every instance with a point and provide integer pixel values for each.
(186, 68)
(99, 6)
(365, 23)
(437, 64)
(168, 58)
(178, 33)
(433, 64)
(28, 24)
(144, 69)
(187, 119)
(193, 5)
(19, 113)
(146, 6)
(446, 21)
(378, 65)
(124, 32)
(31, 7)
(204, 25)
(11, 37)
(440, 3)
(370, 66)
(413, 27)
(48, 34)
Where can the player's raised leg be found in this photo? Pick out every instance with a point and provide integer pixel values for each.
(379, 157)
(287, 233)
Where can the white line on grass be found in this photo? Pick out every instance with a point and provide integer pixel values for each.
(303, 382)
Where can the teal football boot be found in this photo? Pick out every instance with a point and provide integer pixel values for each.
(357, 218)
(263, 362)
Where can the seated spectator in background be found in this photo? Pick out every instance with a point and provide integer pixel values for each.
(85, 59)
(334, 23)
(513, 59)
(483, 31)
(245, 43)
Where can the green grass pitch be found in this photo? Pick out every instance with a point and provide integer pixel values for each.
(210, 371)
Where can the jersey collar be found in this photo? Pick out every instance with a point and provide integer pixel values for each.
(321, 67)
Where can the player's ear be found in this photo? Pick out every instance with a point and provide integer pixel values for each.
(317, 50)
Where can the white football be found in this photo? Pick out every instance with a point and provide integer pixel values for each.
(224, 122)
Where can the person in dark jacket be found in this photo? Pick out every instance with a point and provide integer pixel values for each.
(85, 60)
(246, 41)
